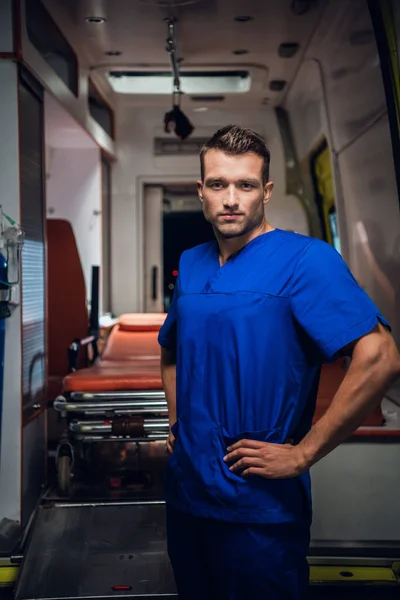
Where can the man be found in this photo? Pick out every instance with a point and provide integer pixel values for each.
(254, 316)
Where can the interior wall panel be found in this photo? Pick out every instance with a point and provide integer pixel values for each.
(31, 139)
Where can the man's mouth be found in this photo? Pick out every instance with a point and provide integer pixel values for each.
(231, 216)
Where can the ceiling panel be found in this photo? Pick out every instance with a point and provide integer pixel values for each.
(206, 33)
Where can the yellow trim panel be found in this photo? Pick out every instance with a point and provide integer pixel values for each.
(322, 575)
(348, 574)
(8, 576)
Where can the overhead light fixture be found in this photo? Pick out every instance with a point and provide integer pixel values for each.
(95, 20)
(288, 49)
(198, 83)
(301, 7)
(243, 18)
(277, 85)
(201, 109)
(113, 53)
(240, 51)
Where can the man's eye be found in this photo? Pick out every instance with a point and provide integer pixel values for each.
(216, 186)
(247, 186)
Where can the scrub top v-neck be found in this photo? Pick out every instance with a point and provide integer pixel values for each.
(250, 337)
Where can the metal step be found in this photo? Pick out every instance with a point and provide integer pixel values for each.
(97, 551)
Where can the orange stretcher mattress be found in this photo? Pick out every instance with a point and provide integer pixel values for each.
(110, 376)
(130, 361)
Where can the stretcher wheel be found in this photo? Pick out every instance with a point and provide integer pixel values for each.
(64, 475)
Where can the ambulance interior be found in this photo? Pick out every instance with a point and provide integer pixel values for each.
(103, 108)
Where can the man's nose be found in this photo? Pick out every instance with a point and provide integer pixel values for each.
(231, 197)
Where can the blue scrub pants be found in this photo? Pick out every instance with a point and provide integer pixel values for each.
(215, 560)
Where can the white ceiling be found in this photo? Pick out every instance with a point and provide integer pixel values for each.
(206, 34)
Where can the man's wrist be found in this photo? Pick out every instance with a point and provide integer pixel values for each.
(305, 457)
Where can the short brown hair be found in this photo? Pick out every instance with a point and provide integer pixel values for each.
(235, 140)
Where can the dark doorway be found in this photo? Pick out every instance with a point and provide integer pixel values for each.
(181, 230)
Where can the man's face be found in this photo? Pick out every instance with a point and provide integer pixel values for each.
(233, 194)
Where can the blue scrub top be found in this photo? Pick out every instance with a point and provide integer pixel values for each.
(250, 339)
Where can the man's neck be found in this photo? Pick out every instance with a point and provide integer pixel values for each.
(230, 246)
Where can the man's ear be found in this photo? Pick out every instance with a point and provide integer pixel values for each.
(268, 187)
(199, 184)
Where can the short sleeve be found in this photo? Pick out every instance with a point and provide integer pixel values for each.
(327, 301)
(167, 336)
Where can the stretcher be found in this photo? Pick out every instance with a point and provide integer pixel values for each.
(113, 406)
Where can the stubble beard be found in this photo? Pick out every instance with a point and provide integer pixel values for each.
(234, 230)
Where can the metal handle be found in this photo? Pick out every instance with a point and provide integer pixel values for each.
(133, 406)
(154, 278)
(151, 426)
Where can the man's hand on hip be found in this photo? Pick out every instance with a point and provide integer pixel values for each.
(170, 443)
(272, 461)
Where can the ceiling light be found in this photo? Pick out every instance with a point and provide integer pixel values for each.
(301, 7)
(95, 20)
(201, 109)
(114, 53)
(240, 51)
(277, 85)
(288, 49)
(192, 82)
(243, 18)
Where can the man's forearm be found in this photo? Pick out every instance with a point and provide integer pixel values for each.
(361, 391)
(168, 375)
